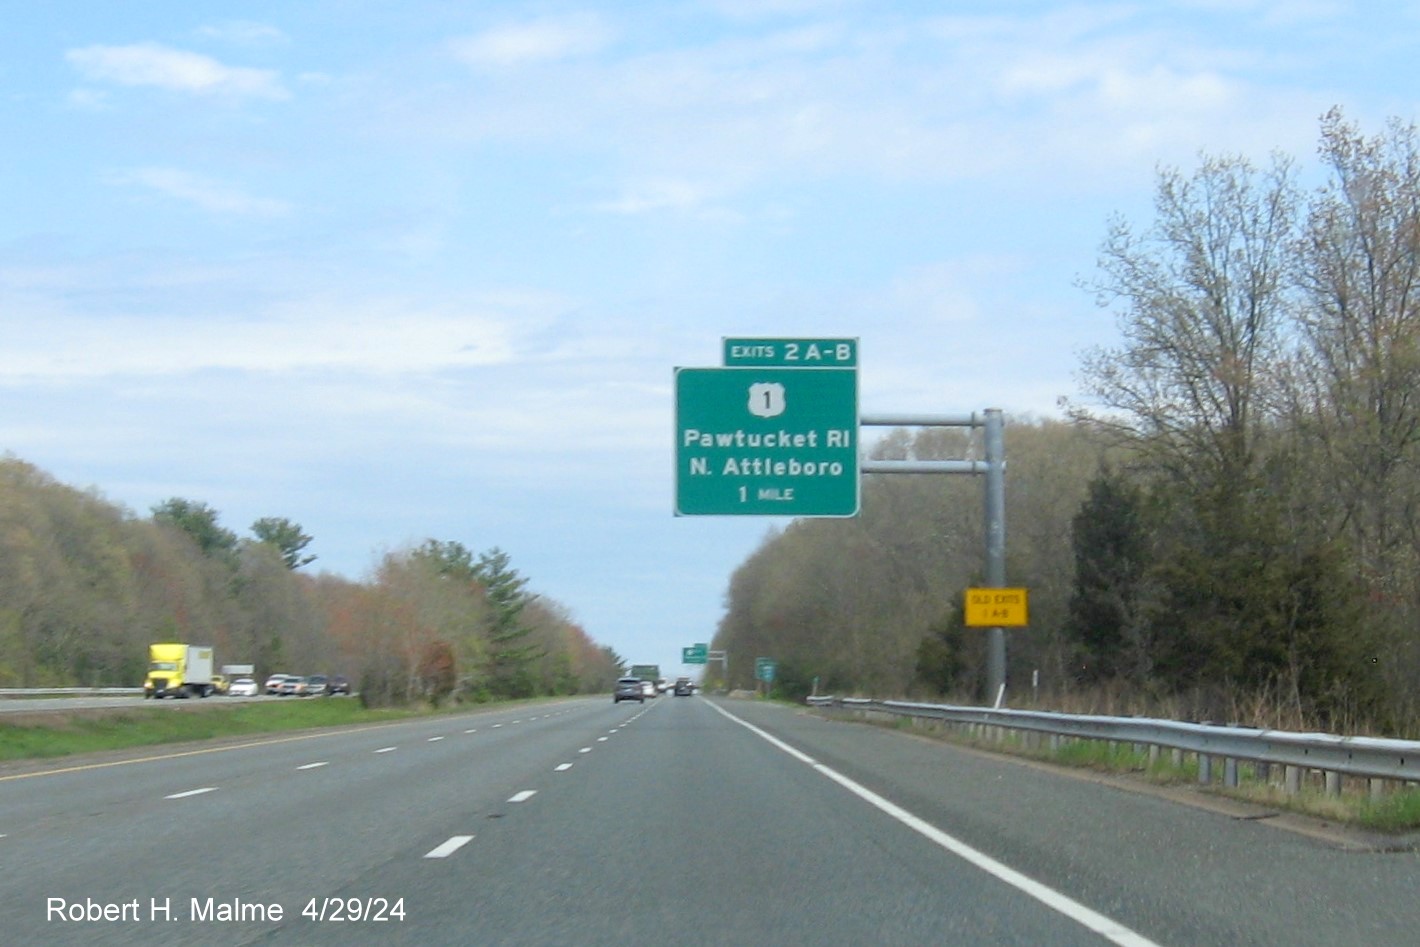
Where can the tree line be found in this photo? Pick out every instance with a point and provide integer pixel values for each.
(86, 586)
(1229, 520)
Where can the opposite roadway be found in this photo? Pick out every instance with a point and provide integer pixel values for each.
(693, 820)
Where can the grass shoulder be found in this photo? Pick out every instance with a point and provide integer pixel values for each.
(69, 733)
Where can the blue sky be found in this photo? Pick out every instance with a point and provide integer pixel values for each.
(424, 269)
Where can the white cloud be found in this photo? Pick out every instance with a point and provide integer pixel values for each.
(648, 196)
(536, 41)
(203, 192)
(941, 98)
(761, 9)
(370, 336)
(244, 33)
(152, 64)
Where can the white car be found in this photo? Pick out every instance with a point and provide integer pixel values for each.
(243, 687)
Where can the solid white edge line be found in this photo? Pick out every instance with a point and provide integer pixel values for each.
(191, 792)
(1106, 927)
(448, 848)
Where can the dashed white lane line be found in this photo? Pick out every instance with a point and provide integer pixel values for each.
(314, 765)
(448, 848)
(435, 739)
(497, 725)
(191, 792)
(585, 749)
(387, 749)
(523, 796)
(561, 768)
(474, 730)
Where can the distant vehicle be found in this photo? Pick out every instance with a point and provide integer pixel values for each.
(220, 684)
(683, 687)
(179, 670)
(316, 686)
(244, 687)
(648, 688)
(337, 685)
(628, 688)
(292, 686)
(273, 683)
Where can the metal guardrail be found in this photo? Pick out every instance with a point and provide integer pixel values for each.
(1335, 756)
(70, 691)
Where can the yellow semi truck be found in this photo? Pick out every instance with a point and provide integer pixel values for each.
(179, 670)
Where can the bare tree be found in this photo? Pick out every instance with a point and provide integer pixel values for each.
(1204, 298)
(1360, 319)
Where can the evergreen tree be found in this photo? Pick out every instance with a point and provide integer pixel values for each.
(1105, 617)
(286, 536)
(510, 656)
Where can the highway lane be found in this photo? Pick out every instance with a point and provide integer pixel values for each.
(584, 822)
(265, 829)
(689, 828)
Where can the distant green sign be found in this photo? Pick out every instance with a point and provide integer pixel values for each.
(765, 669)
(695, 654)
(766, 441)
(791, 353)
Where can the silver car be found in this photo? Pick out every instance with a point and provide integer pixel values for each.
(628, 688)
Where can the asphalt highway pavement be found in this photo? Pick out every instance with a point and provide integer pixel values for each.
(690, 820)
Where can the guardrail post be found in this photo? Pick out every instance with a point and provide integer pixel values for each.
(1333, 783)
(1205, 769)
(1230, 773)
(1292, 780)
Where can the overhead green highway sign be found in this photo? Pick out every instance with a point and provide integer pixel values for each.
(766, 441)
(695, 654)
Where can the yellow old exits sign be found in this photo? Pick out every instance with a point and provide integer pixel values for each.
(995, 608)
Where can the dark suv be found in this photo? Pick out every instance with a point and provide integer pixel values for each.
(628, 688)
(683, 687)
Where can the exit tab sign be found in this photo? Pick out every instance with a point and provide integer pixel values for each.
(996, 608)
(791, 353)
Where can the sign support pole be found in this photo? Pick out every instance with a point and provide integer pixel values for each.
(994, 469)
(995, 545)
